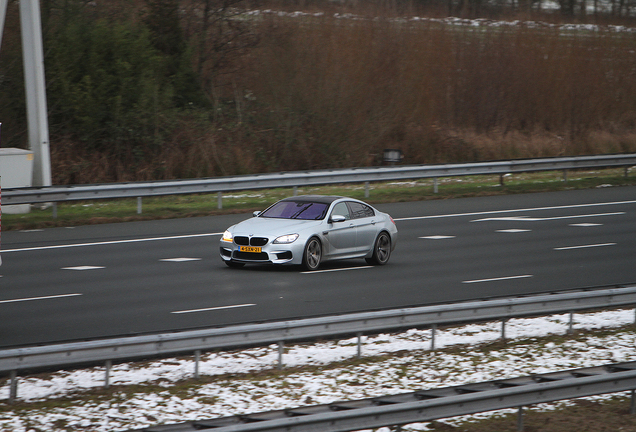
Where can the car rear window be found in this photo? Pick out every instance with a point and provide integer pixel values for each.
(296, 210)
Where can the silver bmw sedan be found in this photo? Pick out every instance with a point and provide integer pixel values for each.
(309, 230)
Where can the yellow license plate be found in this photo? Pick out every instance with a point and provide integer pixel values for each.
(253, 249)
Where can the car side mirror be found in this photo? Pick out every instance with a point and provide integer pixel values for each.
(256, 213)
(337, 218)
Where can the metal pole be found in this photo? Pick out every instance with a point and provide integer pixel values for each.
(109, 365)
(359, 345)
(33, 57)
(138, 205)
(281, 348)
(366, 189)
(503, 329)
(571, 323)
(435, 188)
(3, 14)
(197, 359)
(433, 330)
(520, 419)
(13, 387)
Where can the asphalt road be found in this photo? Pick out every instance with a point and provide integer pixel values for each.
(98, 281)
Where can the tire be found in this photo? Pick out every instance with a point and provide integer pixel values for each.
(234, 264)
(312, 254)
(381, 250)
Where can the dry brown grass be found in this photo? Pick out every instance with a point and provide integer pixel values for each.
(326, 92)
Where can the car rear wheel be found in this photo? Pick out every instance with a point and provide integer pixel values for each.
(381, 250)
(312, 254)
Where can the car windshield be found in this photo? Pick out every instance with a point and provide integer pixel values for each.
(296, 210)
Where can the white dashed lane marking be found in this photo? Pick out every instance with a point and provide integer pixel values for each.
(214, 308)
(39, 298)
(83, 268)
(513, 230)
(497, 279)
(180, 259)
(438, 237)
(335, 270)
(585, 246)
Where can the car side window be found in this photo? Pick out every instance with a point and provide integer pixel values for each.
(359, 210)
(341, 209)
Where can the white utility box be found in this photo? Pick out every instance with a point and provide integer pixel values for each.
(16, 170)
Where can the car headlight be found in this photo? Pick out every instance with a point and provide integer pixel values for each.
(286, 239)
(227, 237)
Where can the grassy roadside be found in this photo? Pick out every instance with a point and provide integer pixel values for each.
(180, 206)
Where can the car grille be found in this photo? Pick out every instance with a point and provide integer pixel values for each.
(250, 241)
(249, 256)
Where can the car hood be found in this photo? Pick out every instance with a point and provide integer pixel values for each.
(273, 226)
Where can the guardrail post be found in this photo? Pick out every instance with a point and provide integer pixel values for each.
(13, 387)
(197, 359)
(632, 407)
(501, 179)
(520, 419)
(54, 210)
(503, 329)
(433, 330)
(571, 323)
(295, 190)
(565, 175)
(281, 348)
(219, 199)
(109, 365)
(359, 335)
(435, 188)
(138, 205)
(366, 189)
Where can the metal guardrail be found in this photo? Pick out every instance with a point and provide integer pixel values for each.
(195, 341)
(427, 405)
(308, 178)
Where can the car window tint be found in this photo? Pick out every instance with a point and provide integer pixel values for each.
(341, 209)
(359, 210)
(296, 210)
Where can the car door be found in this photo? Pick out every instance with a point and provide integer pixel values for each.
(364, 220)
(341, 235)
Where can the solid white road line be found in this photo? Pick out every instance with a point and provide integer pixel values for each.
(497, 279)
(529, 219)
(516, 210)
(109, 242)
(585, 246)
(214, 308)
(39, 298)
(335, 270)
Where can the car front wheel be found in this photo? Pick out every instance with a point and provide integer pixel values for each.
(312, 254)
(381, 250)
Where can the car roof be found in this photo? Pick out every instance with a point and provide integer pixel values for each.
(325, 199)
